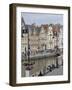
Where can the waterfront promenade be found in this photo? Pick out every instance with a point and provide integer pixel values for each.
(44, 54)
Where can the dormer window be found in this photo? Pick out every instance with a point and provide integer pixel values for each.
(24, 31)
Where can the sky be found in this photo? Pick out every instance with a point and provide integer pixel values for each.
(42, 18)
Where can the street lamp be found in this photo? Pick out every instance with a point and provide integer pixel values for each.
(57, 50)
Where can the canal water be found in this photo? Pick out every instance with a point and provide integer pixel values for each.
(41, 65)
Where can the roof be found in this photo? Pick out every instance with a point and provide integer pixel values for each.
(33, 28)
(45, 26)
(22, 20)
(56, 28)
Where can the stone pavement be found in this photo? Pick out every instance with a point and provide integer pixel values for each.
(56, 71)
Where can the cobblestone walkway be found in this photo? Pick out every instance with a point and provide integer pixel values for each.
(56, 71)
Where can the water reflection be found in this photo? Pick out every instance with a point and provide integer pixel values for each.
(42, 67)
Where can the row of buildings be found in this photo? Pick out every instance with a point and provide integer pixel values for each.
(37, 38)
